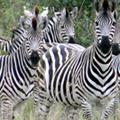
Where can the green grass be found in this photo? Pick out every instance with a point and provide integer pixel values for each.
(27, 113)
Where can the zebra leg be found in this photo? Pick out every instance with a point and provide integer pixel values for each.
(7, 110)
(70, 113)
(87, 110)
(44, 109)
(42, 103)
(109, 109)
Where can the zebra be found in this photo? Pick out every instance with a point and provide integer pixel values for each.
(18, 71)
(87, 79)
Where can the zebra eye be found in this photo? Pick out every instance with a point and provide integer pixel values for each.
(114, 23)
(96, 23)
(62, 26)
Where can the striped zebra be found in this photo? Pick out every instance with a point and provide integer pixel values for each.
(87, 79)
(18, 71)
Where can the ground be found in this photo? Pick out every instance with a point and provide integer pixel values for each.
(27, 113)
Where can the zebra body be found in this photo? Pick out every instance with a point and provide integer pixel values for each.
(78, 82)
(15, 76)
(116, 64)
(77, 61)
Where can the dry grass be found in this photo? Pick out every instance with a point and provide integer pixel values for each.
(27, 112)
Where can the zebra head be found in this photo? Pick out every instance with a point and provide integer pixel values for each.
(66, 23)
(105, 24)
(33, 42)
(28, 15)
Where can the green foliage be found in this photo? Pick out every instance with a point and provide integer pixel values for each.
(3, 52)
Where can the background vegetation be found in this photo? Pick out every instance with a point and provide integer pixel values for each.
(11, 10)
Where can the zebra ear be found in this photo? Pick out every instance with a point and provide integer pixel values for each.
(28, 13)
(113, 5)
(64, 13)
(34, 23)
(44, 22)
(45, 12)
(44, 17)
(36, 10)
(22, 21)
(58, 15)
(105, 5)
(97, 5)
(74, 12)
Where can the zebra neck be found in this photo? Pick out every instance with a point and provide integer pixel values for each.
(22, 57)
(100, 60)
(52, 31)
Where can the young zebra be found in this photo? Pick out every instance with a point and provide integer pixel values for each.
(18, 71)
(87, 79)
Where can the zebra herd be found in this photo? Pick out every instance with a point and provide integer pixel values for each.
(43, 62)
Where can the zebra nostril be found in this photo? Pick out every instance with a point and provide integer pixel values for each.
(34, 57)
(105, 44)
(105, 38)
(71, 39)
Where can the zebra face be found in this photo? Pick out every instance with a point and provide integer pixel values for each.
(42, 18)
(34, 57)
(33, 43)
(105, 25)
(66, 23)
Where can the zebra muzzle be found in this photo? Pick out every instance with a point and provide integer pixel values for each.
(105, 44)
(34, 58)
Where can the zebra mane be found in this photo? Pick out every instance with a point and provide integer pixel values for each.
(36, 11)
(113, 6)
(105, 6)
(97, 7)
(67, 13)
(109, 6)
(34, 23)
